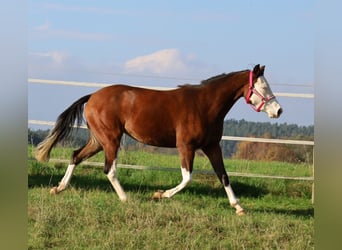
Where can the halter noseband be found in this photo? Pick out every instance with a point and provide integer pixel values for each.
(252, 90)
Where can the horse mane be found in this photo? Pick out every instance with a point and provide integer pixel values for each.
(214, 78)
(203, 82)
(209, 80)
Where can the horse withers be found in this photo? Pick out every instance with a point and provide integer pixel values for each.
(189, 117)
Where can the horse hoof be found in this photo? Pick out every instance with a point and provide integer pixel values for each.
(53, 191)
(241, 212)
(158, 195)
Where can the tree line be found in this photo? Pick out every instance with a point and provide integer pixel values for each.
(268, 151)
(230, 149)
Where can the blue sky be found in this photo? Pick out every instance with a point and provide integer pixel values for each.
(166, 43)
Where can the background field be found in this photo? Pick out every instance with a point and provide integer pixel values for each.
(89, 214)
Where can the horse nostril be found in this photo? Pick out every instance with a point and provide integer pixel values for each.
(280, 111)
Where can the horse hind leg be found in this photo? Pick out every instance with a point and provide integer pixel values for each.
(92, 147)
(112, 177)
(111, 144)
(187, 157)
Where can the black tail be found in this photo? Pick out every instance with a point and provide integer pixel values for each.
(62, 128)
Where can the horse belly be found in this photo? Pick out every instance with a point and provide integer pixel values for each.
(153, 132)
(154, 137)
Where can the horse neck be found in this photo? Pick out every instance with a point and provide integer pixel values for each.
(222, 94)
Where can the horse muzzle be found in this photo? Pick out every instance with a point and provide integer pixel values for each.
(274, 110)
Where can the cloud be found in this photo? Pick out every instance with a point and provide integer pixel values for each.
(50, 64)
(55, 57)
(170, 65)
(162, 62)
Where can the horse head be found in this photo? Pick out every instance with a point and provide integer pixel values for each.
(260, 95)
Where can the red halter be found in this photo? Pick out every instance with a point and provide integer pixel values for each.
(252, 90)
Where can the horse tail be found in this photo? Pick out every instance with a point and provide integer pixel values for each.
(62, 128)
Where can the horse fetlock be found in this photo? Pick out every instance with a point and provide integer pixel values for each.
(234, 203)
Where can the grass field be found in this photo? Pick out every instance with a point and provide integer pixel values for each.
(89, 214)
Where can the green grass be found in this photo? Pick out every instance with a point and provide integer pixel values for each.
(201, 163)
(89, 214)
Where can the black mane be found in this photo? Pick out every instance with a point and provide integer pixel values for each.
(213, 78)
(210, 80)
(203, 82)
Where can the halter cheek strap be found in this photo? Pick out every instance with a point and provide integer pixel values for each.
(252, 90)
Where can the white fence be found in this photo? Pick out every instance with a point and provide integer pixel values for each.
(234, 138)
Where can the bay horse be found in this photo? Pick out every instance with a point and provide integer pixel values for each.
(189, 117)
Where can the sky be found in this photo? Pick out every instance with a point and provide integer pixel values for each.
(168, 43)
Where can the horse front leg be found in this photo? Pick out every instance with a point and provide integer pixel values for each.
(187, 157)
(214, 154)
(171, 192)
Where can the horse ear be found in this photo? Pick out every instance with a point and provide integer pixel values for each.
(258, 71)
(262, 69)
